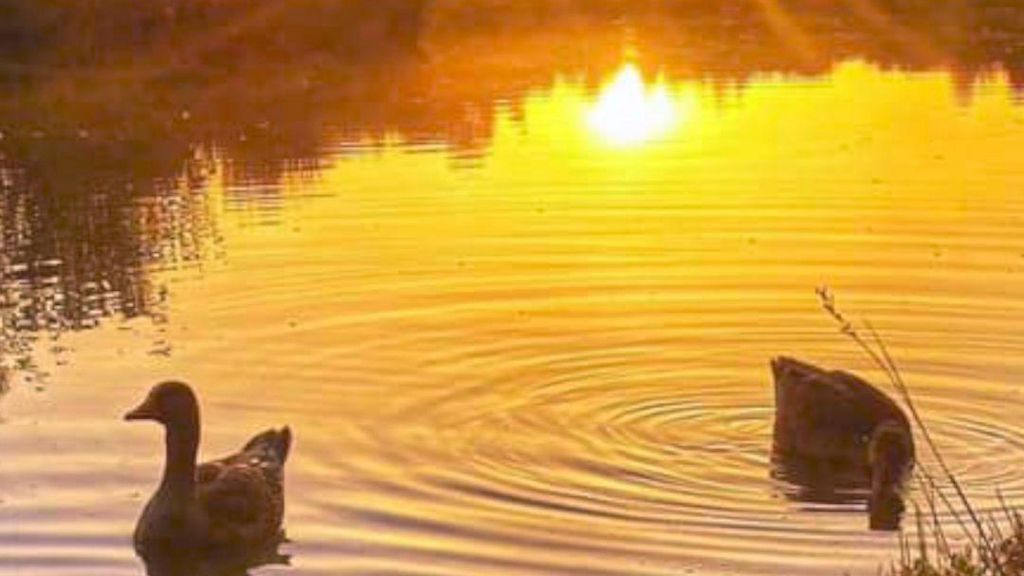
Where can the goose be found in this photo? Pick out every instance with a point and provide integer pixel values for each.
(837, 417)
(231, 504)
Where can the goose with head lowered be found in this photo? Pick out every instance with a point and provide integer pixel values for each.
(837, 417)
(228, 505)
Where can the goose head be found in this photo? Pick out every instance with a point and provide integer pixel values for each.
(890, 456)
(172, 404)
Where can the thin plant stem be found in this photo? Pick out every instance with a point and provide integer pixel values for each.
(878, 352)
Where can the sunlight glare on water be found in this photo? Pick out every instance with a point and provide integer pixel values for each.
(628, 112)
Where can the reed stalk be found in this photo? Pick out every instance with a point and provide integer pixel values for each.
(999, 554)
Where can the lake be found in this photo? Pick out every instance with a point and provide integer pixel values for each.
(515, 292)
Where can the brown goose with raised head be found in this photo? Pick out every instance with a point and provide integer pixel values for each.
(836, 416)
(231, 504)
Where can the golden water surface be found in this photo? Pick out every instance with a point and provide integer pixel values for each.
(529, 341)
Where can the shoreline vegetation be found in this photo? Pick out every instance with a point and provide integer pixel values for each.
(63, 34)
(995, 542)
(185, 71)
(735, 38)
(123, 69)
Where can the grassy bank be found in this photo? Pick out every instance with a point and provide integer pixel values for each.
(931, 555)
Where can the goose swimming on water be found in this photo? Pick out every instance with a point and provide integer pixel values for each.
(231, 504)
(835, 416)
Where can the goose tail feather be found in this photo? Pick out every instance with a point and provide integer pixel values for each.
(273, 442)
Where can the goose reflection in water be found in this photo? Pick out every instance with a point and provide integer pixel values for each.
(175, 563)
(815, 482)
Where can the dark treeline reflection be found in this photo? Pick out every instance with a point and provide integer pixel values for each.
(80, 224)
(115, 114)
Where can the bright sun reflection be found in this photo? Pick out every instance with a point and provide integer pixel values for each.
(629, 113)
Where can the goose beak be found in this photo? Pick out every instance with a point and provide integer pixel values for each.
(143, 412)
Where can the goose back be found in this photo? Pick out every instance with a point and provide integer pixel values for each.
(243, 494)
(827, 414)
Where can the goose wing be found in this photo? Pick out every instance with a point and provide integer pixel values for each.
(243, 494)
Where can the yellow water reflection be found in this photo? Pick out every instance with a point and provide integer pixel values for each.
(502, 359)
(552, 360)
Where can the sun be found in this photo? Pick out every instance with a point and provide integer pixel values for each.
(629, 113)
